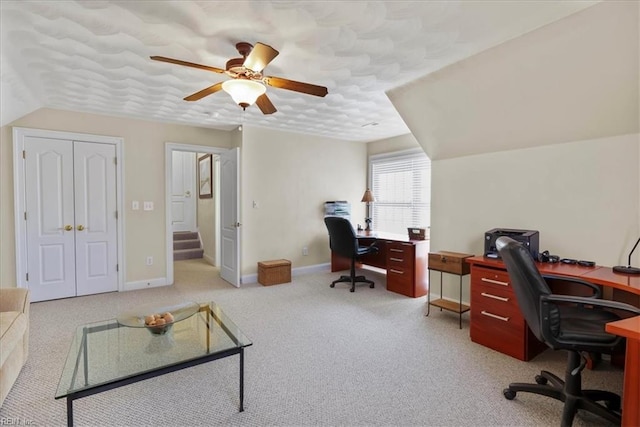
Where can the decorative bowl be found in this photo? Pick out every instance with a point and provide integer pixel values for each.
(158, 319)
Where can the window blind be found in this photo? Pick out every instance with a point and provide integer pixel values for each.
(401, 185)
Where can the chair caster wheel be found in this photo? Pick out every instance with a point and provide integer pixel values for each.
(333, 285)
(541, 380)
(371, 286)
(352, 290)
(509, 394)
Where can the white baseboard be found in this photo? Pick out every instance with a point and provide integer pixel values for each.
(209, 259)
(249, 278)
(308, 269)
(144, 284)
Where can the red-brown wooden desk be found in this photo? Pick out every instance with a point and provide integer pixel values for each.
(619, 287)
(404, 260)
(630, 328)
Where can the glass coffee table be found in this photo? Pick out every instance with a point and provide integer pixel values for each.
(106, 355)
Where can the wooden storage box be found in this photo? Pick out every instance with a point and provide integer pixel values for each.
(417, 233)
(449, 262)
(274, 272)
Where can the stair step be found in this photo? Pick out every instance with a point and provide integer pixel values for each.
(187, 254)
(186, 244)
(185, 235)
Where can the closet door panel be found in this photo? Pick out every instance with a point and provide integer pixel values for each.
(49, 218)
(96, 220)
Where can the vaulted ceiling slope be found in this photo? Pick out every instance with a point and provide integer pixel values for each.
(93, 56)
(575, 79)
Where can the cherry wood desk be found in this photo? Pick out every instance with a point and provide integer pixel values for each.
(630, 329)
(496, 321)
(404, 260)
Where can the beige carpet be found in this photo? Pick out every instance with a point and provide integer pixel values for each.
(320, 356)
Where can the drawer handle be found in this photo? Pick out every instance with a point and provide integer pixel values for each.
(396, 250)
(484, 294)
(495, 282)
(495, 316)
(396, 259)
(396, 271)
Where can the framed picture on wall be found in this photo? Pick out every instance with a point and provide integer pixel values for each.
(205, 185)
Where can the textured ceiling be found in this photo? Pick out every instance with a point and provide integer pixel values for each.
(93, 56)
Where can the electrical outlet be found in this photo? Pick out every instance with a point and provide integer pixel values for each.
(305, 251)
(149, 260)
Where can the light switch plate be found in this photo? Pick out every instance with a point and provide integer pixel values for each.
(148, 206)
(135, 205)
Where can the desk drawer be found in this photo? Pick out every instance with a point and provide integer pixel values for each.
(504, 336)
(496, 305)
(400, 250)
(496, 281)
(400, 280)
(399, 258)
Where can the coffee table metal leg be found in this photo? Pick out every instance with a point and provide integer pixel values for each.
(241, 379)
(69, 412)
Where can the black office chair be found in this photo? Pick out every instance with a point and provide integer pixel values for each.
(343, 241)
(563, 322)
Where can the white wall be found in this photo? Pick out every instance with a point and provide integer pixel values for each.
(290, 176)
(581, 197)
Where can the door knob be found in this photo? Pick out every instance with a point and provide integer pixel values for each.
(80, 227)
(187, 193)
(68, 227)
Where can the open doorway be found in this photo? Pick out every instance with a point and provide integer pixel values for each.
(192, 212)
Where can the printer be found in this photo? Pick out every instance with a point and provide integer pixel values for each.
(529, 238)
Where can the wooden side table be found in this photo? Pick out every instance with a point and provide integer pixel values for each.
(451, 263)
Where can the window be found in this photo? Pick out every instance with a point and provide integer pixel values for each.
(401, 185)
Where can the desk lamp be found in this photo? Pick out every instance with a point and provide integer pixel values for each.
(628, 269)
(368, 199)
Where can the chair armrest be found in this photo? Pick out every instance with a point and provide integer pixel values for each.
(595, 302)
(14, 299)
(374, 249)
(597, 292)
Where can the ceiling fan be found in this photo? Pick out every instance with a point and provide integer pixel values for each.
(247, 84)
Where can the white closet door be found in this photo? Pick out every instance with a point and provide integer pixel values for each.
(229, 216)
(96, 220)
(183, 197)
(49, 218)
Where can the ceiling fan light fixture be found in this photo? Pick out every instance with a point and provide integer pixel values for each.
(244, 92)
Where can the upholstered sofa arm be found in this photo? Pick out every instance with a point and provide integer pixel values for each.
(14, 299)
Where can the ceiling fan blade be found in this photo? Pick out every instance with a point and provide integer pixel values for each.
(296, 86)
(264, 104)
(260, 56)
(204, 92)
(186, 64)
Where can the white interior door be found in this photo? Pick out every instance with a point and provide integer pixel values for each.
(183, 202)
(50, 218)
(96, 218)
(229, 216)
(71, 219)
